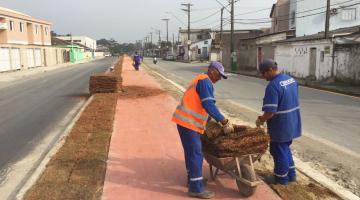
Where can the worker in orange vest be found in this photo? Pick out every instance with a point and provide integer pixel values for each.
(191, 116)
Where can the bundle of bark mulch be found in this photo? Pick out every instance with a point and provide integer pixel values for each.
(105, 83)
(244, 140)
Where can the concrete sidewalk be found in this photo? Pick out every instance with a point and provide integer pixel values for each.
(146, 159)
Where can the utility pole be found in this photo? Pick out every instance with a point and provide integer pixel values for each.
(159, 32)
(188, 42)
(221, 24)
(233, 54)
(173, 44)
(151, 45)
(167, 30)
(327, 20)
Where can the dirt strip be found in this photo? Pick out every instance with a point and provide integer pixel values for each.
(77, 171)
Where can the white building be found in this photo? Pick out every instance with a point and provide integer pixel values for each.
(311, 15)
(200, 50)
(315, 58)
(83, 40)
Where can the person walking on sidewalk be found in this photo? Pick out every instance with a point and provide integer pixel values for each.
(282, 114)
(137, 61)
(191, 116)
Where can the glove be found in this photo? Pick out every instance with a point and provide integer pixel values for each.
(227, 127)
(259, 122)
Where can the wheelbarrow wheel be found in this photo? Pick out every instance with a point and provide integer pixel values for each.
(248, 174)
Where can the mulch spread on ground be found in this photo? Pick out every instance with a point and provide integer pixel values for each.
(77, 170)
(133, 92)
(244, 140)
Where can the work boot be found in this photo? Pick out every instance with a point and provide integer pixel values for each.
(273, 180)
(202, 195)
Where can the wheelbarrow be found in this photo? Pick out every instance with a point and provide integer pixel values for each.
(240, 168)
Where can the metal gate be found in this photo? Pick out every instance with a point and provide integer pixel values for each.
(15, 59)
(30, 56)
(38, 57)
(4, 59)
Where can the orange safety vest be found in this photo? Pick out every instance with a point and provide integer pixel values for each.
(190, 113)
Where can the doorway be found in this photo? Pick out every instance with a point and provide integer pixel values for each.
(312, 67)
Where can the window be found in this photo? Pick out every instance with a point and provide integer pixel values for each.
(293, 16)
(21, 27)
(199, 51)
(199, 37)
(206, 42)
(348, 14)
(12, 25)
(36, 29)
(322, 56)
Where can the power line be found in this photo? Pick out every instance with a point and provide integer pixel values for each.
(223, 5)
(262, 22)
(256, 11)
(305, 11)
(204, 9)
(176, 18)
(198, 20)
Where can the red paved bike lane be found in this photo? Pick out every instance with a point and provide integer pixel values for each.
(146, 158)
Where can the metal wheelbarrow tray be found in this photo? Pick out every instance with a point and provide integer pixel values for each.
(240, 168)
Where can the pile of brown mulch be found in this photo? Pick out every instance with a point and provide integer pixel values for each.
(104, 83)
(244, 140)
(107, 82)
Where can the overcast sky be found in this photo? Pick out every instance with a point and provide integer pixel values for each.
(130, 20)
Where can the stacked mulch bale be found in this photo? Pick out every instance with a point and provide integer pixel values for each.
(103, 83)
(109, 82)
(244, 140)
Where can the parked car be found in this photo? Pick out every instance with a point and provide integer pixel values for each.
(169, 57)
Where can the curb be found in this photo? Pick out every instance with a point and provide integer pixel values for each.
(303, 167)
(37, 170)
(307, 85)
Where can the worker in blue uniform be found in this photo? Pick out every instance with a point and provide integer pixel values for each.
(282, 114)
(197, 104)
(137, 61)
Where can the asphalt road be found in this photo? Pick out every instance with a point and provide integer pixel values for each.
(329, 116)
(31, 108)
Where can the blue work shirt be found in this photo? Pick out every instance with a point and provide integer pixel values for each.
(205, 90)
(137, 59)
(281, 98)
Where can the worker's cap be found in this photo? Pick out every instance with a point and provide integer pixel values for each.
(267, 64)
(219, 67)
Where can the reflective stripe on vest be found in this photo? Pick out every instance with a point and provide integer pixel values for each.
(190, 113)
(191, 121)
(195, 114)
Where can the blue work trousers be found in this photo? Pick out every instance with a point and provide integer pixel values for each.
(284, 166)
(193, 158)
(136, 66)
